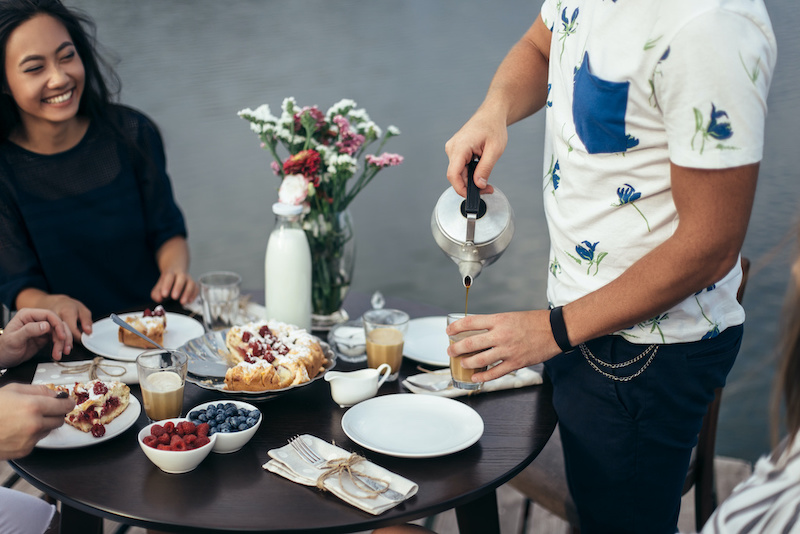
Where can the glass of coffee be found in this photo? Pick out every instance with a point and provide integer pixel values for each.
(385, 330)
(162, 376)
(462, 377)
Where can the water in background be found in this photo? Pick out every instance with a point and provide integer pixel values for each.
(424, 66)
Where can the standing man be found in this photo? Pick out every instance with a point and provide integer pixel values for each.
(655, 129)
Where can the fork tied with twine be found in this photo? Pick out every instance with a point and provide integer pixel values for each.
(344, 467)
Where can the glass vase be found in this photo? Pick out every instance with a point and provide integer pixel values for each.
(333, 253)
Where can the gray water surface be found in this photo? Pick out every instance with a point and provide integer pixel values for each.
(424, 66)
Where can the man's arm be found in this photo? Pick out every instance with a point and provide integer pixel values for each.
(518, 90)
(714, 210)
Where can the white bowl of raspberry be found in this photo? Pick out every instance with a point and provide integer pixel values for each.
(232, 422)
(176, 445)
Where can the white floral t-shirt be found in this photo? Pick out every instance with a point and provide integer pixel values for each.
(633, 86)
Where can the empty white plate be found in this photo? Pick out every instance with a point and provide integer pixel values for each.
(413, 426)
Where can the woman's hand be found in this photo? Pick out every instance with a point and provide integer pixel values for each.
(178, 286)
(514, 340)
(28, 414)
(73, 312)
(175, 282)
(30, 330)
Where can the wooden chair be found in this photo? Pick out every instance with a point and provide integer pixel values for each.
(544, 482)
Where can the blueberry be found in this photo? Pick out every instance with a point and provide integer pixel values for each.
(194, 414)
(251, 421)
(224, 428)
(211, 411)
(243, 426)
(202, 417)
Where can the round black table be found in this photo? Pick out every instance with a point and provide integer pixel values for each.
(234, 493)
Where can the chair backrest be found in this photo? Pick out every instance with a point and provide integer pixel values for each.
(701, 468)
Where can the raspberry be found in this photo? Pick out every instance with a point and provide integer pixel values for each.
(169, 426)
(263, 331)
(190, 439)
(179, 446)
(163, 439)
(201, 440)
(100, 388)
(246, 336)
(163, 447)
(150, 441)
(98, 430)
(202, 429)
(188, 427)
(157, 430)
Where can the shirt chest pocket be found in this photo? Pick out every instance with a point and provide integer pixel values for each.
(598, 109)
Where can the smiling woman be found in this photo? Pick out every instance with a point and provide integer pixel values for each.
(76, 173)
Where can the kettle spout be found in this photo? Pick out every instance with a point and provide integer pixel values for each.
(469, 271)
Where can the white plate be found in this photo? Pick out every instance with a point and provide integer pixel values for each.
(427, 342)
(413, 426)
(104, 340)
(68, 437)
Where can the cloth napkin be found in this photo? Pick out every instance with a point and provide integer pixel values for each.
(67, 373)
(520, 378)
(288, 464)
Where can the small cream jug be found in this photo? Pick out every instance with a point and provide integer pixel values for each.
(351, 388)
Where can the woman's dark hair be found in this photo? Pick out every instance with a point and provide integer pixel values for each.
(100, 86)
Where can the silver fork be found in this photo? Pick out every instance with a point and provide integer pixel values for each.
(310, 455)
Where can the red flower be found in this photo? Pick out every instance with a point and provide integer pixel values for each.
(305, 162)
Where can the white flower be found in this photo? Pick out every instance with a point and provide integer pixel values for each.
(393, 130)
(293, 189)
(342, 107)
(263, 113)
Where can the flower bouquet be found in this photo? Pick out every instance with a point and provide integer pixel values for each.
(324, 168)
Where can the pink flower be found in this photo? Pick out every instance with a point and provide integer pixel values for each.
(384, 160)
(293, 189)
(350, 141)
(276, 168)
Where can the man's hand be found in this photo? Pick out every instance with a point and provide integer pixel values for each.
(28, 413)
(29, 331)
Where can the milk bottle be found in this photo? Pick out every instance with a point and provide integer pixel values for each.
(287, 269)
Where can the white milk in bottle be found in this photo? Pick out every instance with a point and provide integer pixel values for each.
(287, 269)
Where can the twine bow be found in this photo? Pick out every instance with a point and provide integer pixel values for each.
(344, 467)
(93, 367)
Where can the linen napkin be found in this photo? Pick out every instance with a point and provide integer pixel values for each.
(288, 464)
(439, 378)
(67, 373)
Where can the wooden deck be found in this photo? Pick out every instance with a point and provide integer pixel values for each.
(729, 473)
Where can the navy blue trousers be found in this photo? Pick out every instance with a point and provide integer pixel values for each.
(627, 444)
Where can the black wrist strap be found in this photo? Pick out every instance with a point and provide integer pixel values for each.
(559, 329)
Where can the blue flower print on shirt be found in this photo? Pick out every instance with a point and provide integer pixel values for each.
(630, 142)
(555, 268)
(548, 101)
(712, 287)
(569, 26)
(586, 250)
(719, 127)
(714, 330)
(656, 71)
(628, 195)
(553, 175)
(655, 324)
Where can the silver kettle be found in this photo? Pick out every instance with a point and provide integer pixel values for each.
(474, 232)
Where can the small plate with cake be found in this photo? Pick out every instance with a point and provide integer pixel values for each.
(103, 410)
(169, 329)
(259, 360)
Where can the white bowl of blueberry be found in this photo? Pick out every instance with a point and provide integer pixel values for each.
(233, 422)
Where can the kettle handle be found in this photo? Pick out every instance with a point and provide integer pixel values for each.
(473, 193)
